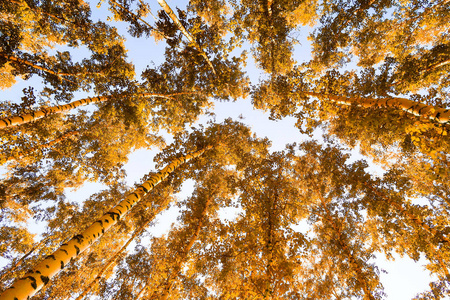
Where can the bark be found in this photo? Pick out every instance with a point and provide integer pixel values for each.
(180, 26)
(138, 18)
(426, 70)
(136, 233)
(18, 120)
(438, 114)
(438, 65)
(34, 9)
(22, 259)
(269, 7)
(41, 274)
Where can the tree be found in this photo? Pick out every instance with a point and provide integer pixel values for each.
(32, 29)
(47, 268)
(307, 222)
(17, 120)
(364, 28)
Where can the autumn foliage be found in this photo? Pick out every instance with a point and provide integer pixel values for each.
(304, 222)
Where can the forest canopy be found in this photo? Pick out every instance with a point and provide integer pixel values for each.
(364, 84)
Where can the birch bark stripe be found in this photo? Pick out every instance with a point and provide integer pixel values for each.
(35, 279)
(118, 253)
(17, 120)
(441, 115)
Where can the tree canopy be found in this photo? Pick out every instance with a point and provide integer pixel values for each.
(87, 85)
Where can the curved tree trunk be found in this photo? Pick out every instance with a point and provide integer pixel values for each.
(18, 120)
(36, 278)
(441, 115)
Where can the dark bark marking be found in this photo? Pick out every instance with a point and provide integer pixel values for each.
(33, 281)
(79, 238)
(45, 279)
(420, 110)
(113, 215)
(145, 189)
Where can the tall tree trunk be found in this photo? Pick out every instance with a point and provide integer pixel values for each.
(136, 233)
(441, 115)
(180, 26)
(18, 120)
(136, 17)
(36, 278)
(36, 11)
(22, 259)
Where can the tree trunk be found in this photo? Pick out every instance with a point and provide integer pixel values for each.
(136, 233)
(18, 120)
(36, 278)
(180, 26)
(22, 259)
(438, 114)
